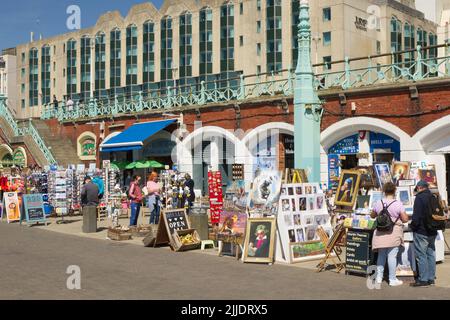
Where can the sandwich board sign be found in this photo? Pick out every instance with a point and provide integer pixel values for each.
(11, 206)
(33, 209)
(169, 222)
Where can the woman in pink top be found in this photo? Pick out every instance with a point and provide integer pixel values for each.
(388, 243)
(153, 201)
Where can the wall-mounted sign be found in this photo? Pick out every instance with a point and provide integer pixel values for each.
(288, 145)
(349, 145)
(380, 141)
(361, 23)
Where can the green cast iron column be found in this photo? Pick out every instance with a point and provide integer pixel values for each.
(307, 106)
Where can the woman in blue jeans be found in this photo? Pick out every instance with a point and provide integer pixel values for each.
(388, 243)
(153, 200)
(135, 194)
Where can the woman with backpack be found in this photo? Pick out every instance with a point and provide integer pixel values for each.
(388, 237)
(135, 194)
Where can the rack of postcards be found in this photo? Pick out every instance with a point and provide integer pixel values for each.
(60, 191)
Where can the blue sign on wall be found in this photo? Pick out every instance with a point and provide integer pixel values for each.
(349, 145)
(333, 171)
(384, 142)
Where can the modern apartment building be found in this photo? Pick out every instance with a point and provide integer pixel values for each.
(189, 41)
(8, 83)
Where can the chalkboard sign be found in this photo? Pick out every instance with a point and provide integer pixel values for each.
(358, 251)
(34, 212)
(170, 221)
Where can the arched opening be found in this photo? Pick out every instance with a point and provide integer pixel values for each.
(87, 146)
(6, 156)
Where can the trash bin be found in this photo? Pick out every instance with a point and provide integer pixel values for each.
(199, 221)
(89, 219)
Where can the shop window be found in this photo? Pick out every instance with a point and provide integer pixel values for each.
(20, 157)
(87, 146)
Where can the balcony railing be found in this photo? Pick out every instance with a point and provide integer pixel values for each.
(410, 65)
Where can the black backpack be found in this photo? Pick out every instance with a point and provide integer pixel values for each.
(435, 219)
(384, 222)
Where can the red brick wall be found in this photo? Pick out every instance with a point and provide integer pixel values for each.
(392, 104)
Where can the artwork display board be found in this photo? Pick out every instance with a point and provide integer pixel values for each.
(301, 211)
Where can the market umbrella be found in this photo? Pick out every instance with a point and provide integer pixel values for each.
(155, 164)
(139, 165)
(120, 165)
(114, 166)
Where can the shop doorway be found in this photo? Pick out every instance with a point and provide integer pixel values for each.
(383, 157)
(348, 161)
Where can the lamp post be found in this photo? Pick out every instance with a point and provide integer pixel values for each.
(307, 105)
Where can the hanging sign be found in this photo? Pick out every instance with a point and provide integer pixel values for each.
(11, 206)
(215, 195)
(33, 209)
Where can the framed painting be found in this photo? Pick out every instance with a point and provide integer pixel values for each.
(260, 240)
(383, 173)
(348, 188)
(400, 171)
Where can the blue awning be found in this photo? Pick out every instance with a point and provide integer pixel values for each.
(133, 138)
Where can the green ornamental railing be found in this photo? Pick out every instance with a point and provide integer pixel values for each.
(23, 130)
(404, 66)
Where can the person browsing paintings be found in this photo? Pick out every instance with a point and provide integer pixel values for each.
(153, 200)
(388, 243)
(135, 194)
(259, 248)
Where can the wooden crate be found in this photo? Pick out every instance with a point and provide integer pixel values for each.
(141, 231)
(177, 245)
(119, 235)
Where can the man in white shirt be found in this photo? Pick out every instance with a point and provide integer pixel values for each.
(69, 104)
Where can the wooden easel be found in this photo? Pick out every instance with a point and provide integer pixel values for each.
(295, 176)
(332, 245)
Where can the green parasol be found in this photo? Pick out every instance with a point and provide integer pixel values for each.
(155, 164)
(120, 165)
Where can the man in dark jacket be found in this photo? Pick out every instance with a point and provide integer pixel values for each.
(89, 193)
(424, 239)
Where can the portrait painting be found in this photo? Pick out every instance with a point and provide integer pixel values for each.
(302, 203)
(400, 171)
(429, 175)
(291, 233)
(404, 196)
(383, 173)
(297, 219)
(300, 235)
(348, 188)
(288, 220)
(260, 240)
(319, 202)
(310, 232)
(311, 201)
(375, 196)
(233, 222)
(285, 205)
(298, 191)
(308, 219)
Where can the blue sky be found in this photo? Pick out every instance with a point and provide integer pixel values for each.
(48, 17)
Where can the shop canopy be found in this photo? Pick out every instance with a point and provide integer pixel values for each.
(133, 138)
